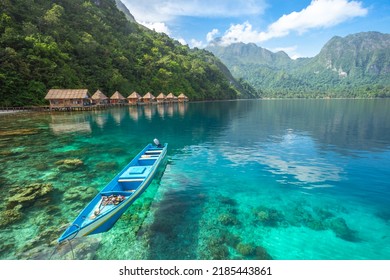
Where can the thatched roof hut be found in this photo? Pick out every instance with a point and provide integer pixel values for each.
(182, 97)
(99, 98)
(117, 98)
(171, 97)
(134, 98)
(68, 98)
(147, 98)
(161, 98)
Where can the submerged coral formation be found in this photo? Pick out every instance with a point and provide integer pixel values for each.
(69, 164)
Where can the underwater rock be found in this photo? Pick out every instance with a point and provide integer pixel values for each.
(231, 239)
(28, 195)
(40, 166)
(262, 254)
(341, 229)
(269, 216)
(227, 201)
(10, 216)
(228, 219)
(216, 249)
(69, 164)
(219, 252)
(247, 250)
(116, 151)
(106, 166)
(80, 194)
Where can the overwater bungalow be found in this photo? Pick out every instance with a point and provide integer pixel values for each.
(148, 98)
(99, 98)
(117, 98)
(134, 98)
(170, 98)
(182, 98)
(68, 98)
(161, 98)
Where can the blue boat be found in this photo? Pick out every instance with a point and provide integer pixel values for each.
(114, 199)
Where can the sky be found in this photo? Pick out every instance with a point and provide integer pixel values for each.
(298, 27)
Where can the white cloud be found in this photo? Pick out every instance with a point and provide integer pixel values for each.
(157, 26)
(319, 14)
(182, 41)
(212, 34)
(196, 44)
(167, 10)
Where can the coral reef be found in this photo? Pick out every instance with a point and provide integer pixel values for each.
(28, 195)
(106, 166)
(77, 197)
(228, 219)
(268, 216)
(10, 216)
(252, 251)
(341, 229)
(24, 197)
(69, 164)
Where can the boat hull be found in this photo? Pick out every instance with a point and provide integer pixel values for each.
(129, 184)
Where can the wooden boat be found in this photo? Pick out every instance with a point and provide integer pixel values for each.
(114, 199)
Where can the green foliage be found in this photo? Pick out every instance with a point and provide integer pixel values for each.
(91, 44)
(355, 66)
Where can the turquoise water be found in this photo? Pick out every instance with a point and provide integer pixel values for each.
(280, 179)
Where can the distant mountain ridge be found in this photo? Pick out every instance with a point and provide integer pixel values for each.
(357, 65)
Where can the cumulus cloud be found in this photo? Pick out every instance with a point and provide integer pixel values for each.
(212, 34)
(319, 14)
(160, 27)
(196, 44)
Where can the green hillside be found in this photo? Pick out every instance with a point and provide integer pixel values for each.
(91, 44)
(355, 66)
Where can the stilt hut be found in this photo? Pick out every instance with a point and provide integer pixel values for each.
(161, 98)
(68, 98)
(171, 98)
(117, 98)
(182, 98)
(99, 98)
(148, 98)
(134, 98)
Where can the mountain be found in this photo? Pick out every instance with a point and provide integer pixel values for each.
(355, 66)
(240, 53)
(121, 7)
(92, 44)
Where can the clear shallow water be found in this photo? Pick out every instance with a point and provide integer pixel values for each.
(281, 179)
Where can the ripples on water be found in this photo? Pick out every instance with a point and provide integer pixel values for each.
(282, 179)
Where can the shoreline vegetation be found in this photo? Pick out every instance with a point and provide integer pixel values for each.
(46, 108)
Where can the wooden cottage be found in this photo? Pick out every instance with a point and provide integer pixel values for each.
(161, 98)
(171, 98)
(148, 98)
(68, 98)
(99, 98)
(134, 98)
(182, 98)
(117, 98)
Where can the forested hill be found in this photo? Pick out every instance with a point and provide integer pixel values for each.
(357, 65)
(91, 44)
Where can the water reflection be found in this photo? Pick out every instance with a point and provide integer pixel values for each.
(69, 123)
(342, 125)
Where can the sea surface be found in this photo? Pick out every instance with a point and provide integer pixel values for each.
(255, 179)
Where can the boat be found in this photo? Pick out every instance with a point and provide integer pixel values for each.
(114, 199)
